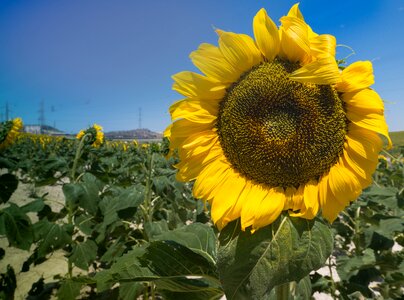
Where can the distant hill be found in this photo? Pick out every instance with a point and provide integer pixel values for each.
(397, 138)
(138, 134)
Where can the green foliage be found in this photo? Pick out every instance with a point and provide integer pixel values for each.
(369, 257)
(251, 265)
(8, 184)
(131, 230)
(8, 284)
(16, 225)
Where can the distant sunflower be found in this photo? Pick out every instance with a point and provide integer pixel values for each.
(274, 124)
(9, 131)
(94, 134)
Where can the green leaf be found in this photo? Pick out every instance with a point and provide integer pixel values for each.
(350, 266)
(198, 237)
(168, 258)
(130, 197)
(8, 184)
(16, 225)
(156, 228)
(130, 290)
(69, 289)
(180, 269)
(251, 265)
(297, 291)
(51, 236)
(34, 206)
(84, 194)
(114, 251)
(303, 289)
(126, 268)
(90, 199)
(83, 254)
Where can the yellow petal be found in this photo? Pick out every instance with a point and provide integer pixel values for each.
(295, 45)
(182, 129)
(239, 50)
(323, 44)
(193, 85)
(356, 76)
(189, 170)
(374, 122)
(235, 211)
(310, 206)
(330, 206)
(310, 198)
(270, 208)
(252, 205)
(196, 111)
(227, 199)
(322, 71)
(295, 12)
(210, 60)
(343, 184)
(359, 166)
(364, 101)
(363, 142)
(209, 179)
(266, 35)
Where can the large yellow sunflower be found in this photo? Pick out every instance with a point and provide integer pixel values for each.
(9, 131)
(275, 125)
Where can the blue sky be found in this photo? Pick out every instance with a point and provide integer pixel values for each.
(99, 61)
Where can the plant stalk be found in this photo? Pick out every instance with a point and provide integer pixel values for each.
(70, 208)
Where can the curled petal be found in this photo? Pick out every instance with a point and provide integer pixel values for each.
(266, 34)
(356, 76)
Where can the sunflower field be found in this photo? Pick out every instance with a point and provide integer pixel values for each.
(276, 179)
(124, 228)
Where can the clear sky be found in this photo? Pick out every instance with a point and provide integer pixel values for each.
(99, 61)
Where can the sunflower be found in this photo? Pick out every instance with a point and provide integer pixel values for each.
(9, 131)
(95, 135)
(275, 125)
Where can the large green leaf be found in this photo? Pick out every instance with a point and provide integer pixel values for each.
(297, 291)
(85, 193)
(69, 289)
(251, 265)
(128, 198)
(83, 254)
(16, 225)
(126, 268)
(181, 270)
(51, 236)
(350, 266)
(198, 237)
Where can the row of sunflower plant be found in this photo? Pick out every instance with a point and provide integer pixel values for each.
(132, 229)
(279, 141)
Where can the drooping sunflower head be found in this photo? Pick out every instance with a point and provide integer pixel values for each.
(93, 135)
(274, 125)
(9, 130)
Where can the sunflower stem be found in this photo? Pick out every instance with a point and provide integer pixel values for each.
(147, 208)
(282, 291)
(70, 207)
(357, 231)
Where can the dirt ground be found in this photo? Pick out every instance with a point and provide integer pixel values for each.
(56, 264)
